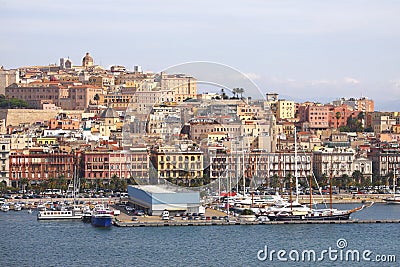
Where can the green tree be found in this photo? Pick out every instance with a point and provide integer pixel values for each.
(61, 183)
(357, 176)
(83, 184)
(51, 183)
(115, 183)
(223, 94)
(240, 91)
(24, 183)
(234, 91)
(274, 181)
(322, 180)
(338, 115)
(96, 98)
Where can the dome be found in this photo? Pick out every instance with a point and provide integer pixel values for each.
(109, 113)
(87, 60)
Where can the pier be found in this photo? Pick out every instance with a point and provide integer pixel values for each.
(119, 223)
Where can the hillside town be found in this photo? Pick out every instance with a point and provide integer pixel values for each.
(119, 126)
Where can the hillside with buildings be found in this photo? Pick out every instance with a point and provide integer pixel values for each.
(143, 127)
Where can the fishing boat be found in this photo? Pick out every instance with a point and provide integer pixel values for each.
(102, 218)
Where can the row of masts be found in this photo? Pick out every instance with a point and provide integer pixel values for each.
(281, 189)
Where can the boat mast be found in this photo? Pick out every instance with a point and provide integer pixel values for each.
(310, 192)
(330, 184)
(394, 177)
(295, 166)
(244, 180)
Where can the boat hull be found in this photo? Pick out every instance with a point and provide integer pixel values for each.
(392, 201)
(333, 217)
(58, 215)
(101, 221)
(87, 218)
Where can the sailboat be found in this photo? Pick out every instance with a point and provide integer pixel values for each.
(395, 199)
(294, 211)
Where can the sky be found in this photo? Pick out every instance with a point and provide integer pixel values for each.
(301, 49)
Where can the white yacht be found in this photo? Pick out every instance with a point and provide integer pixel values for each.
(17, 207)
(5, 207)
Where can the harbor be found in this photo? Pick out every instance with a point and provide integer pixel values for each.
(150, 240)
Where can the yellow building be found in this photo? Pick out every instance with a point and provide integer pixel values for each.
(285, 109)
(178, 165)
(110, 121)
(45, 141)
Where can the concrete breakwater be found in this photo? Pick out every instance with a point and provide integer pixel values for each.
(226, 223)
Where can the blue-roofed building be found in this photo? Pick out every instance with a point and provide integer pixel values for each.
(154, 199)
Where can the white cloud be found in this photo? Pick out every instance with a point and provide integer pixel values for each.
(351, 80)
(395, 83)
(321, 82)
(253, 76)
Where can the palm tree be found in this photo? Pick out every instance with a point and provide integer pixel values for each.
(240, 91)
(83, 184)
(274, 183)
(357, 176)
(24, 184)
(61, 183)
(234, 91)
(323, 180)
(51, 183)
(223, 94)
(115, 183)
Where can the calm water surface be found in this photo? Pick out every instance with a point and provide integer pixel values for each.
(27, 242)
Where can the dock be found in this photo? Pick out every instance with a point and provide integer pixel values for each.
(119, 223)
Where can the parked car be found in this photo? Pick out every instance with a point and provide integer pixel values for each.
(129, 208)
(134, 218)
(139, 213)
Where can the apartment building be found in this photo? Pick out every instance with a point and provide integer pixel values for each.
(38, 165)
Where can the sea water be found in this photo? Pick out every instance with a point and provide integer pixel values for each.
(28, 242)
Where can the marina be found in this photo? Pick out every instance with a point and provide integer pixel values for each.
(185, 243)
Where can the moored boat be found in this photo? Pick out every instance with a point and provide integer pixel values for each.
(87, 215)
(392, 200)
(17, 207)
(102, 218)
(5, 207)
(59, 215)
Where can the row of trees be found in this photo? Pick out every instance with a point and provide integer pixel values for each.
(12, 103)
(114, 184)
(236, 92)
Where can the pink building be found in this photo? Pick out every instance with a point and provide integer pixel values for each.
(315, 116)
(104, 164)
